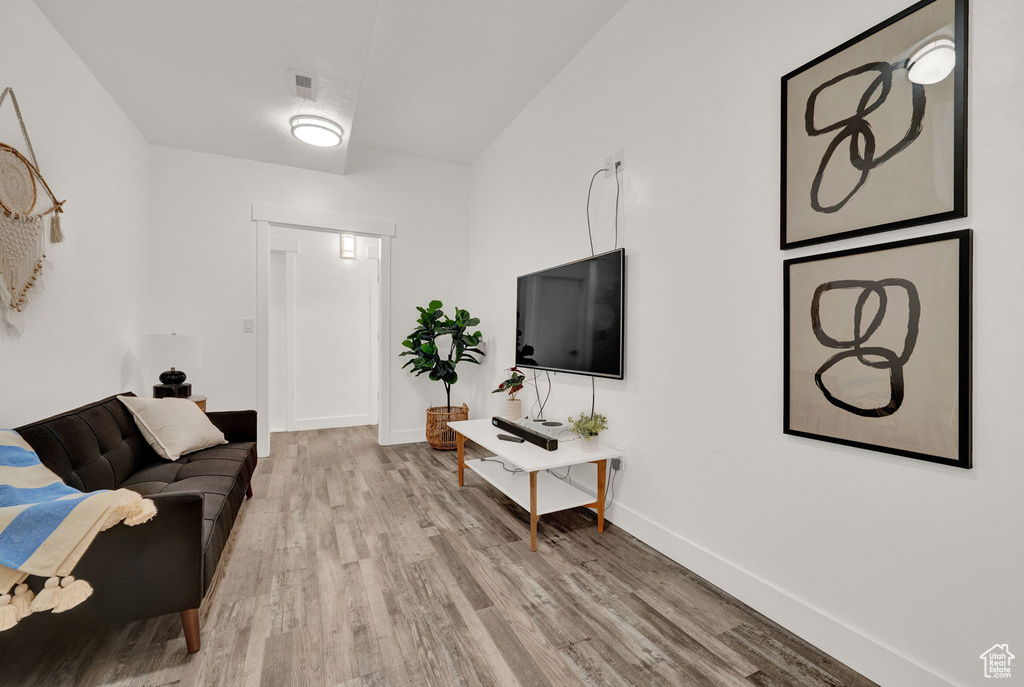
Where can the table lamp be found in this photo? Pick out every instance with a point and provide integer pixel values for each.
(172, 350)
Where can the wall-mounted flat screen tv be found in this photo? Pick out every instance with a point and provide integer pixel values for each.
(570, 318)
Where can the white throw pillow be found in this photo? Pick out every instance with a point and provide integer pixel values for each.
(173, 426)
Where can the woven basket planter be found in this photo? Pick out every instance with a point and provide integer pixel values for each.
(438, 435)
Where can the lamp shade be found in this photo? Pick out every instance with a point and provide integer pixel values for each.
(171, 350)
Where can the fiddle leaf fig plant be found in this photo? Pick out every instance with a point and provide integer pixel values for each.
(428, 358)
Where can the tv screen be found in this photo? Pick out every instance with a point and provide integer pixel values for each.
(570, 318)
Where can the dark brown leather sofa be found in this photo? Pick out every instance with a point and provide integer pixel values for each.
(165, 565)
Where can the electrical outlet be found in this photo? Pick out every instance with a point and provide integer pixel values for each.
(616, 464)
(616, 162)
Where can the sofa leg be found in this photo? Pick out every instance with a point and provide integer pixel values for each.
(248, 491)
(190, 625)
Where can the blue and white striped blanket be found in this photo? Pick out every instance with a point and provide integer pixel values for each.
(46, 526)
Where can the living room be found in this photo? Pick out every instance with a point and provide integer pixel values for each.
(475, 144)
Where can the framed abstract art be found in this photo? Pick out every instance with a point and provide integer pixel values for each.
(874, 132)
(878, 348)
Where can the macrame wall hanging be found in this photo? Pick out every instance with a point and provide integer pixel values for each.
(22, 232)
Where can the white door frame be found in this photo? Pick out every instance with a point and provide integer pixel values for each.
(290, 248)
(264, 216)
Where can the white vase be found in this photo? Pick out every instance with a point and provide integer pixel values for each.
(590, 445)
(513, 409)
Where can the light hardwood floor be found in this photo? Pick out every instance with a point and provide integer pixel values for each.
(361, 565)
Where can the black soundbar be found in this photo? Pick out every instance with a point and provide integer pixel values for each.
(535, 438)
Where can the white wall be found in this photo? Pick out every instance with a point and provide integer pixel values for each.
(80, 336)
(904, 569)
(333, 335)
(202, 207)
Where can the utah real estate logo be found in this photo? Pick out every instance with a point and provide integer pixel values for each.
(997, 661)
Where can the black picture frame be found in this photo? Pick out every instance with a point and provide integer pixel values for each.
(796, 219)
(959, 263)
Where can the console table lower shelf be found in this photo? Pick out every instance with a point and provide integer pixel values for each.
(532, 488)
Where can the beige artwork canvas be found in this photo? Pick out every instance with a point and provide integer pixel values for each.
(874, 135)
(878, 347)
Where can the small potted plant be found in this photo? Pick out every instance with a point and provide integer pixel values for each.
(512, 386)
(587, 427)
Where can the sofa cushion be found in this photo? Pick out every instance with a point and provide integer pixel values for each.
(221, 474)
(173, 426)
(93, 447)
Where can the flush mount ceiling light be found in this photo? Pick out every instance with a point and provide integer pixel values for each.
(933, 62)
(316, 131)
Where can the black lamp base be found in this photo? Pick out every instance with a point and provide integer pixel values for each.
(172, 376)
(173, 385)
(172, 390)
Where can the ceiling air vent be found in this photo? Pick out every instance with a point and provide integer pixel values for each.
(303, 85)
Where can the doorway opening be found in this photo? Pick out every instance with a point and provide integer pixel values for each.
(372, 237)
(323, 327)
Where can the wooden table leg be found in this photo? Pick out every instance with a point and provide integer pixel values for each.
(602, 477)
(462, 454)
(533, 511)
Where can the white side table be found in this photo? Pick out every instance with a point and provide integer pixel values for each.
(534, 489)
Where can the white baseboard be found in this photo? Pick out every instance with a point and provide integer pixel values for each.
(331, 422)
(408, 436)
(872, 659)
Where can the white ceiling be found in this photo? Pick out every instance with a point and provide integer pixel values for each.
(437, 79)
(212, 75)
(445, 77)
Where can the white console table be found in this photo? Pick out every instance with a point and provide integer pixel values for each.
(534, 489)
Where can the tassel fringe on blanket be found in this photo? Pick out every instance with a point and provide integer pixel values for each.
(46, 527)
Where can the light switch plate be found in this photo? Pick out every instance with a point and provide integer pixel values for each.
(248, 325)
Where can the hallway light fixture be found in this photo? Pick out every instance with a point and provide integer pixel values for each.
(933, 62)
(348, 246)
(316, 131)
